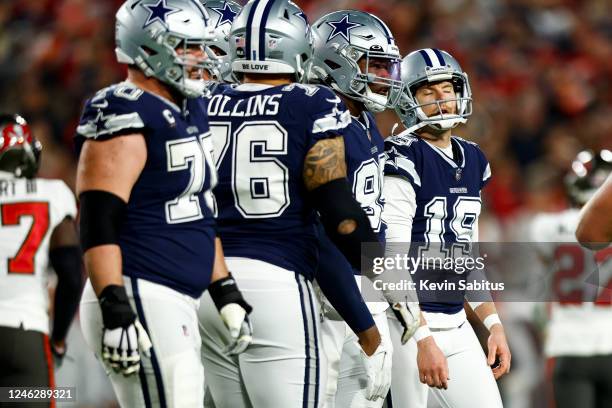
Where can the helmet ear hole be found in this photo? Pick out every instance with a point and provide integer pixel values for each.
(457, 85)
(332, 65)
(149, 51)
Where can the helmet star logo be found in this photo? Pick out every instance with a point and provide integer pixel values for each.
(158, 12)
(226, 13)
(342, 27)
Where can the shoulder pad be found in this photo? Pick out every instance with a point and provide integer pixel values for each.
(309, 90)
(402, 140)
(113, 110)
(399, 160)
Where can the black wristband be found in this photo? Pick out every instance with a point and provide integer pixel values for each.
(225, 291)
(116, 308)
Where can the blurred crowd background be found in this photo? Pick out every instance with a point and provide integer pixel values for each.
(540, 73)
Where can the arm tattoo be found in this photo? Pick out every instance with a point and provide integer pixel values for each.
(324, 162)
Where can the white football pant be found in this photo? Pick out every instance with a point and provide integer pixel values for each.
(173, 376)
(347, 379)
(284, 366)
(471, 383)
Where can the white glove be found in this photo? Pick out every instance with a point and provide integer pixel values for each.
(409, 317)
(237, 321)
(378, 368)
(121, 347)
(234, 311)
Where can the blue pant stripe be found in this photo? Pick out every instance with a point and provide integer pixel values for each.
(307, 344)
(156, 370)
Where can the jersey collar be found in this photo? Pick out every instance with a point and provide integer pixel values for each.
(450, 161)
(161, 98)
(252, 87)
(365, 124)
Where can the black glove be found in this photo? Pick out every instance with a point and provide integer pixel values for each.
(123, 336)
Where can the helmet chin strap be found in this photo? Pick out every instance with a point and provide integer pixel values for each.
(374, 102)
(440, 123)
(195, 87)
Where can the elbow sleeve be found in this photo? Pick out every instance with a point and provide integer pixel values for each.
(335, 203)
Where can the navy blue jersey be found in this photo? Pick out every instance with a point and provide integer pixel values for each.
(261, 137)
(447, 202)
(364, 147)
(167, 235)
(364, 153)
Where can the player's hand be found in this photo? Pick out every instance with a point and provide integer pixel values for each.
(58, 349)
(378, 369)
(432, 364)
(237, 322)
(123, 337)
(498, 350)
(234, 311)
(409, 317)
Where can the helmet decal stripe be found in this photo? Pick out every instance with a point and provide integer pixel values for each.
(202, 10)
(247, 39)
(439, 56)
(433, 58)
(256, 26)
(426, 58)
(262, 31)
(385, 29)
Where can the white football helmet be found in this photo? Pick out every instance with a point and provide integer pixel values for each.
(270, 37)
(157, 36)
(341, 39)
(426, 66)
(222, 13)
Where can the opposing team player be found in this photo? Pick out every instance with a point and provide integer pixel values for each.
(579, 333)
(280, 155)
(355, 55)
(36, 229)
(432, 188)
(144, 178)
(595, 227)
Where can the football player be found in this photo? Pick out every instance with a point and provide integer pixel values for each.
(144, 178)
(595, 227)
(280, 156)
(355, 55)
(432, 189)
(37, 229)
(579, 333)
(222, 13)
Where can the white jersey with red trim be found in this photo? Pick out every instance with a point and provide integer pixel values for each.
(29, 212)
(581, 283)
